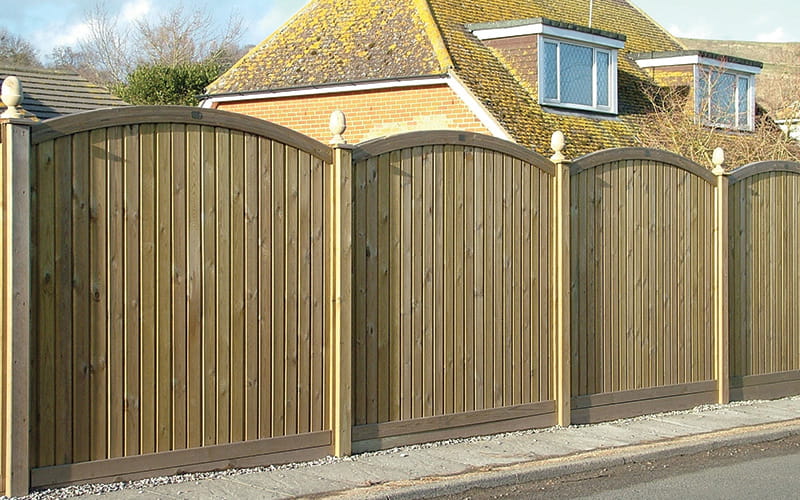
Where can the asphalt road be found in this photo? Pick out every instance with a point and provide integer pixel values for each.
(765, 470)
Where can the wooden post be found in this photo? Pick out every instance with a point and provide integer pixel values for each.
(340, 264)
(721, 329)
(561, 283)
(16, 304)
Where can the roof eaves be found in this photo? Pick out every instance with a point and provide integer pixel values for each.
(699, 53)
(515, 23)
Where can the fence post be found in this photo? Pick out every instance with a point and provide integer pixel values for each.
(721, 327)
(15, 224)
(561, 282)
(340, 283)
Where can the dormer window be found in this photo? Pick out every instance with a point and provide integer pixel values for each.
(723, 86)
(576, 66)
(575, 75)
(725, 98)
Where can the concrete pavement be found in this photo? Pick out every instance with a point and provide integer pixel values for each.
(454, 466)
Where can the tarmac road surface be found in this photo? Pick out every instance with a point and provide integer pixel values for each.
(761, 470)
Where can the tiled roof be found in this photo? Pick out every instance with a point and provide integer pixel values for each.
(354, 40)
(51, 93)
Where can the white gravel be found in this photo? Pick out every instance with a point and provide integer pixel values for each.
(98, 489)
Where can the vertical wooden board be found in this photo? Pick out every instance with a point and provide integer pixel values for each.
(265, 312)
(508, 236)
(394, 268)
(208, 257)
(517, 369)
(499, 280)
(384, 289)
(43, 307)
(579, 285)
(373, 291)
(459, 256)
(417, 264)
(147, 292)
(116, 295)
(291, 288)
(694, 312)
(360, 288)
(439, 203)
(631, 172)
(428, 300)
(469, 279)
(651, 271)
(304, 294)
(251, 327)
(318, 306)
(772, 275)
(546, 196)
(237, 286)
(536, 239)
(179, 273)
(680, 345)
(98, 258)
(406, 251)
(279, 303)
(593, 228)
(615, 216)
(478, 233)
(224, 277)
(488, 280)
(163, 288)
(525, 281)
(660, 212)
(448, 277)
(63, 327)
(640, 340)
(194, 288)
(607, 302)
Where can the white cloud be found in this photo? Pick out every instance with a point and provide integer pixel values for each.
(135, 10)
(776, 35)
(696, 31)
(51, 37)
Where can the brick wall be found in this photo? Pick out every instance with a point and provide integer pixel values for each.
(521, 56)
(370, 114)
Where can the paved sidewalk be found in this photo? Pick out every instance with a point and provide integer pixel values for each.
(454, 466)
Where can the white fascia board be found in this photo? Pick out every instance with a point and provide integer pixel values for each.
(696, 59)
(474, 105)
(544, 29)
(323, 90)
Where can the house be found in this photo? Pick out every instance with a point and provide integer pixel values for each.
(778, 85)
(52, 93)
(515, 69)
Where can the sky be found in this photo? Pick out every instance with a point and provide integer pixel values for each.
(51, 23)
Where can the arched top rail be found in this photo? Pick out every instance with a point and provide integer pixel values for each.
(376, 147)
(598, 158)
(763, 167)
(135, 115)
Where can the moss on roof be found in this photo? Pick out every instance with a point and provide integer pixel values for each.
(356, 40)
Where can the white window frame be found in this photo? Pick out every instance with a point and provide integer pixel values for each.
(700, 71)
(611, 108)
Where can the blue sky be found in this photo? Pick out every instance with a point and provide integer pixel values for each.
(50, 23)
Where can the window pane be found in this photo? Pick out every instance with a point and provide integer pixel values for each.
(550, 80)
(743, 108)
(723, 98)
(576, 74)
(602, 78)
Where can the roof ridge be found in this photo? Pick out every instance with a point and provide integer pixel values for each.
(650, 18)
(434, 34)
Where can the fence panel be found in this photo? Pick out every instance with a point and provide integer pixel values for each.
(765, 280)
(179, 282)
(642, 283)
(452, 271)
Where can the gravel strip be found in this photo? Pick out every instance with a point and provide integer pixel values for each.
(98, 489)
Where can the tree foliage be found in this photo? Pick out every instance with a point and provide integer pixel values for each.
(674, 126)
(168, 84)
(16, 51)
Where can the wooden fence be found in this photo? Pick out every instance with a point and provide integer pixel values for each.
(189, 290)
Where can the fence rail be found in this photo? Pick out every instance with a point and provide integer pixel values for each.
(186, 290)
